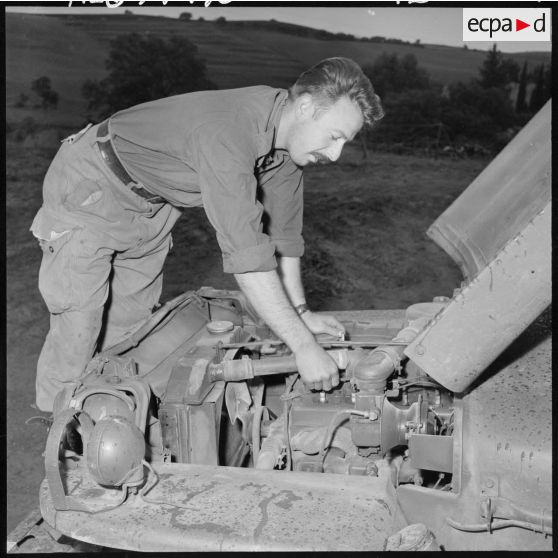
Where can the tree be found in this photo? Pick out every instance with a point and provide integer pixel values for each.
(41, 86)
(520, 104)
(22, 100)
(185, 16)
(391, 75)
(497, 71)
(479, 113)
(49, 98)
(411, 117)
(547, 89)
(143, 68)
(537, 97)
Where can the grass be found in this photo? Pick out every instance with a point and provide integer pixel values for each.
(365, 227)
(71, 49)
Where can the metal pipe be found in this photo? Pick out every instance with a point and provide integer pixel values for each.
(272, 446)
(500, 524)
(246, 368)
(504, 508)
(371, 342)
(371, 370)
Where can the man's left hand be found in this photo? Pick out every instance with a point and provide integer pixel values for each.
(322, 323)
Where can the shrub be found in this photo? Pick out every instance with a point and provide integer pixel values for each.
(143, 68)
(27, 127)
(392, 75)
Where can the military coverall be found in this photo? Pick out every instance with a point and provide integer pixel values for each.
(114, 191)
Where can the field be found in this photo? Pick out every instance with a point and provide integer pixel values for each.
(364, 220)
(71, 49)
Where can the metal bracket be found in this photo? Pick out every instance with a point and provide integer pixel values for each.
(59, 498)
(489, 492)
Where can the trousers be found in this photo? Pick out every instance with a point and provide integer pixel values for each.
(103, 250)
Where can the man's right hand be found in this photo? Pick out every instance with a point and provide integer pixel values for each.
(265, 292)
(316, 368)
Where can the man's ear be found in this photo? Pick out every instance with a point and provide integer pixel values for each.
(304, 106)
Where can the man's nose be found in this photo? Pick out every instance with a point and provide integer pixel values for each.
(334, 152)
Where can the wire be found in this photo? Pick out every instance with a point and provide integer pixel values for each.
(441, 476)
(404, 384)
(147, 489)
(333, 423)
(125, 488)
(286, 412)
(117, 505)
(500, 524)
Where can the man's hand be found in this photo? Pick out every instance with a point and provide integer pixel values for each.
(321, 323)
(316, 368)
(265, 292)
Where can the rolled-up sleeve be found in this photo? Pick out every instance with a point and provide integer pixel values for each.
(226, 159)
(282, 198)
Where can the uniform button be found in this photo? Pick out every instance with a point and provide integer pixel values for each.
(50, 249)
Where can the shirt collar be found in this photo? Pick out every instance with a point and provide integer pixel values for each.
(266, 153)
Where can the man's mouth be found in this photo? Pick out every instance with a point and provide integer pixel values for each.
(319, 159)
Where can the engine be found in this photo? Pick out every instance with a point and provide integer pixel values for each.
(230, 395)
(384, 408)
(348, 430)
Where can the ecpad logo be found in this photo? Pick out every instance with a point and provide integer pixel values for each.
(506, 24)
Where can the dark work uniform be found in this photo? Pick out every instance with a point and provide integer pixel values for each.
(102, 233)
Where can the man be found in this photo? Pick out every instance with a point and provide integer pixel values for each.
(114, 191)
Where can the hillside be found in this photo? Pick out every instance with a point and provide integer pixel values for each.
(71, 48)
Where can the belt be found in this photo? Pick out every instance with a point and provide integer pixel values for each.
(112, 161)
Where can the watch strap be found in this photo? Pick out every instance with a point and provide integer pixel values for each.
(301, 308)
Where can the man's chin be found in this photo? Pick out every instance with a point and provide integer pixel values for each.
(301, 161)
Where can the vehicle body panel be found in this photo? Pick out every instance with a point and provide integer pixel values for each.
(209, 508)
(497, 206)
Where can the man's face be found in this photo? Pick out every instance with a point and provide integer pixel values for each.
(319, 134)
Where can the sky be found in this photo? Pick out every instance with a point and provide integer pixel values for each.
(435, 25)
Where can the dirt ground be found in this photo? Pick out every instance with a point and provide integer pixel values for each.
(365, 248)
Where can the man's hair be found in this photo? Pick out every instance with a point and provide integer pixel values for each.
(334, 78)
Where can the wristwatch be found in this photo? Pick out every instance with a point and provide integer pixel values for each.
(301, 308)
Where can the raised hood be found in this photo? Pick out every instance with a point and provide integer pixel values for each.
(498, 233)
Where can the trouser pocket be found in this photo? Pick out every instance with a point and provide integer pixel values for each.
(54, 274)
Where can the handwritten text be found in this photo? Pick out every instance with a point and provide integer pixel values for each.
(118, 3)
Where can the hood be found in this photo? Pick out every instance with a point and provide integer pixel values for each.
(498, 233)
